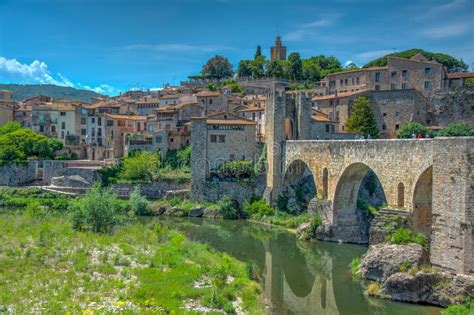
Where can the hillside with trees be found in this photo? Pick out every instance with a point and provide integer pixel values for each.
(22, 91)
(451, 63)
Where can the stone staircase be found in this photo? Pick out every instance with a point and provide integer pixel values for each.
(385, 222)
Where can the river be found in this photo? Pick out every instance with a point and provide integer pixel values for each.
(296, 277)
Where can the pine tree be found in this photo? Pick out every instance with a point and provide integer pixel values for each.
(258, 53)
(362, 118)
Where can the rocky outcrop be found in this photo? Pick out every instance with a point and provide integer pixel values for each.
(429, 287)
(452, 106)
(70, 181)
(384, 260)
(385, 222)
(196, 212)
(211, 213)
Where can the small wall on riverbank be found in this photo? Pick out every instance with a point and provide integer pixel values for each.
(12, 174)
(155, 190)
(53, 168)
(239, 191)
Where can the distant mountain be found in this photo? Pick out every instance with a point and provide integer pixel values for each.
(451, 63)
(22, 91)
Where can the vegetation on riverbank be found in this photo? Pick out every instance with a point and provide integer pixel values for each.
(52, 261)
(467, 308)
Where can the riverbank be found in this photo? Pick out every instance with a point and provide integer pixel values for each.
(48, 267)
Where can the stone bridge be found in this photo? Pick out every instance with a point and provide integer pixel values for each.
(432, 179)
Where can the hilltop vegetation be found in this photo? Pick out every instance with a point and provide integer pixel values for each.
(22, 91)
(451, 63)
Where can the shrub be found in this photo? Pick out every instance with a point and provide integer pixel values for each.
(406, 236)
(467, 308)
(355, 267)
(97, 211)
(257, 208)
(407, 130)
(456, 130)
(237, 169)
(139, 204)
(228, 208)
(141, 166)
(405, 266)
(316, 221)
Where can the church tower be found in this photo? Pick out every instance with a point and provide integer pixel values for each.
(278, 52)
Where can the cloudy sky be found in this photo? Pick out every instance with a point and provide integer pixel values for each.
(111, 46)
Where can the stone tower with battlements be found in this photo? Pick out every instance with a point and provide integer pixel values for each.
(278, 52)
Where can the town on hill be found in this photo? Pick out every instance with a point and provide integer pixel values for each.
(380, 154)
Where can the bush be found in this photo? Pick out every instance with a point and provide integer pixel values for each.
(97, 211)
(456, 130)
(407, 130)
(138, 203)
(406, 236)
(237, 169)
(355, 267)
(257, 208)
(228, 208)
(143, 165)
(10, 153)
(467, 308)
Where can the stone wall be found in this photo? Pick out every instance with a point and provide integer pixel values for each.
(452, 106)
(53, 168)
(156, 190)
(239, 191)
(17, 174)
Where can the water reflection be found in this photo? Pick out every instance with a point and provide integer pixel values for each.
(297, 277)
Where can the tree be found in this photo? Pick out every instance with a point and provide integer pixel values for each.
(362, 118)
(326, 64)
(456, 130)
(258, 67)
(218, 67)
(295, 66)
(277, 69)
(258, 52)
(311, 70)
(407, 130)
(451, 63)
(245, 69)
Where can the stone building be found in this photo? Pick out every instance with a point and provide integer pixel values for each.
(6, 106)
(220, 138)
(22, 114)
(212, 102)
(278, 52)
(256, 112)
(459, 79)
(116, 128)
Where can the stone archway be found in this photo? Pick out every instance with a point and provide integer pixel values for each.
(422, 203)
(298, 187)
(350, 221)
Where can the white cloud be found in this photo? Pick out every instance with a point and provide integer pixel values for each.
(307, 29)
(445, 8)
(318, 23)
(370, 55)
(37, 72)
(348, 63)
(448, 30)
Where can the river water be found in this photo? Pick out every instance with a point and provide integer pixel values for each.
(297, 277)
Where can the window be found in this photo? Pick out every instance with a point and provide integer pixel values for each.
(427, 71)
(62, 113)
(393, 86)
(213, 138)
(357, 80)
(63, 125)
(346, 82)
(231, 157)
(210, 101)
(53, 128)
(397, 114)
(397, 126)
(93, 120)
(99, 121)
(110, 123)
(83, 121)
(121, 123)
(404, 73)
(41, 128)
(377, 76)
(393, 74)
(62, 134)
(384, 114)
(221, 138)
(427, 84)
(171, 140)
(341, 82)
(337, 115)
(159, 139)
(353, 80)
(377, 87)
(384, 127)
(327, 128)
(99, 131)
(404, 86)
(83, 132)
(167, 126)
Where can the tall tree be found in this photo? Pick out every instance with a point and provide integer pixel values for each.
(258, 67)
(295, 66)
(218, 67)
(362, 118)
(311, 70)
(258, 52)
(277, 69)
(245, 69)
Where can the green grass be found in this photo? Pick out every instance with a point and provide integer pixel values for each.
(355, 268)
(407, 236)
(467, 308)
(47, 267)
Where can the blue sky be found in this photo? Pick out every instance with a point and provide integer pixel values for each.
(110, 46)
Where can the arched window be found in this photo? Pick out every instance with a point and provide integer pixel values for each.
(401, 195)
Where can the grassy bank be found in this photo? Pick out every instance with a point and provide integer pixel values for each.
(48, 267)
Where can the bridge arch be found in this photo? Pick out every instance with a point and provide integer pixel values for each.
(299, 186)
(422, 203)
(352, 223)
